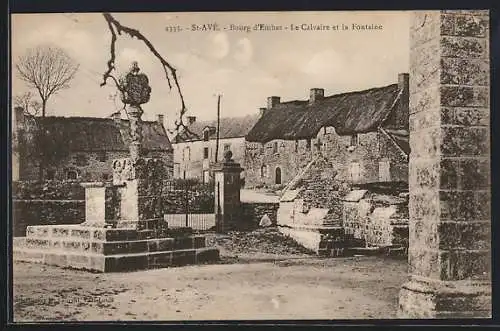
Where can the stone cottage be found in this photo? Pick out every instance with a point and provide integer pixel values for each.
(363, 133)
(80, 148)
(194, 151)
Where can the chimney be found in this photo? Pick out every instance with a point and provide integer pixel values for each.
(404, 81)
(160, 118)
(117, 117)
(191, 119)
(273, 101)
(403, 108)
(316, 94)
(262, 111)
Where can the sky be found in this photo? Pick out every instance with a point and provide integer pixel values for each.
(244, 67)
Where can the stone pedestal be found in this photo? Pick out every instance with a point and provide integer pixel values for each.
(227, 193)
(449, 167)
(124, 229)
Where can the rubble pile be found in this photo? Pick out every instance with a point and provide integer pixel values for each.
(266, 240)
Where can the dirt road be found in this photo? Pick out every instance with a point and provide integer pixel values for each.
(252, 287)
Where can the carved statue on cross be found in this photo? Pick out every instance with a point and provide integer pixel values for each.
(135, 91)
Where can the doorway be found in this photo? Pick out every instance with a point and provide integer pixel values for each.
(278, 176)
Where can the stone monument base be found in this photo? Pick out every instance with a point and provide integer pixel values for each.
(100, 249)
(424, 298)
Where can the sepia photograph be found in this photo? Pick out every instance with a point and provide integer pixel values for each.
(229, 166)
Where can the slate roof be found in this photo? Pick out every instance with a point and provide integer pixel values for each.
(230, 127)
(101, 134)
(349, 113)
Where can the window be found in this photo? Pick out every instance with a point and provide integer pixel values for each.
(384, 171)
(275, 147)
(81, 160)
(71, 174)
(263, 171)
(206, 135)
(206, 176)
(318, 144)
(308, 144)
(354, 140)
(50, 174)
(205, 153)
(105, 176)
(187, 154)
(102, 157)
(296, 145)
(227, 147)
(354, 171)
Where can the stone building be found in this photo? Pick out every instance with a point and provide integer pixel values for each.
(364, 134)
(194, 151)
(80, 148)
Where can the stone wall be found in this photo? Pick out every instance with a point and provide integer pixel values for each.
(90, 166)
(291, 157)
(63, 202)
(44, 212)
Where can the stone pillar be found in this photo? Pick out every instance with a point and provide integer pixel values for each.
(227, 193)
(141, 192)
(449, 176)
(102, 204)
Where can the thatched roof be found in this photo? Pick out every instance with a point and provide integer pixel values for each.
(230, 127)
(349, 113)
(101, 134)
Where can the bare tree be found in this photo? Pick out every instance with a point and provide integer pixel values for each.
(30, 106)
(47, 69)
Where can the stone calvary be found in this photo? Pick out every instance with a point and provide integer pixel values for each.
(124, 227)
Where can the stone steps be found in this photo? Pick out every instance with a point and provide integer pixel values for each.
(86, 232)
(117, 262)
(101, 249)
(71, 244)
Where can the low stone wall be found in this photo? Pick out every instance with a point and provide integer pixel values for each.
(379, 220)
(45, 212)
(48, 190)
(63, 202)
(252, 212)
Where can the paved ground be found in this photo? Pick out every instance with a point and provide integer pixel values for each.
(257, 286)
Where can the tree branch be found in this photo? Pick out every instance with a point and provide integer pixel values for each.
(115, 27)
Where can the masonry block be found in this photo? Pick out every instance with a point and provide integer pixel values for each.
(463, 47)
(459, 71)
(205, 255)
(183, 257)
(421, 298)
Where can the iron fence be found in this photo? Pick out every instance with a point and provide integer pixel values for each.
(200, 222)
